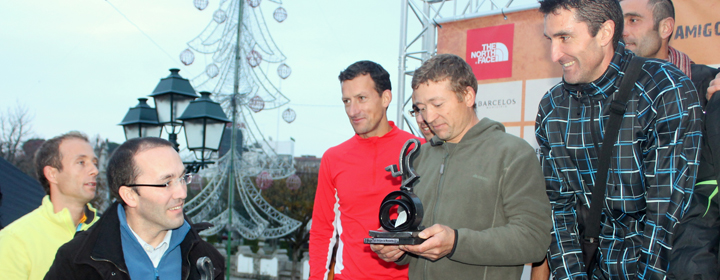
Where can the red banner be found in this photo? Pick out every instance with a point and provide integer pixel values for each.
(489, 51)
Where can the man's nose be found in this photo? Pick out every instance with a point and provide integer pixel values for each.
(625, 33)
(180, 192)
(353, 109)
(93, 170)
(555, 52)
(429, 115)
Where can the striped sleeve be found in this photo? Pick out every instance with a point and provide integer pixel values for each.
(323, 232)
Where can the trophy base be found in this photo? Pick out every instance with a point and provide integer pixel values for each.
(394, 238)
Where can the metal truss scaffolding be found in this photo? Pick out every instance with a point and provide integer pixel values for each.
(418, 41)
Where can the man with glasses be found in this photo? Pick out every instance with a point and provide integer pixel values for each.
(422, 124)
(143, 235)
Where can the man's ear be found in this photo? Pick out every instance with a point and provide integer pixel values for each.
(51, 174)
(606, 32)
(666, 28)
(129, 196)
(386, 98)
(469, 96)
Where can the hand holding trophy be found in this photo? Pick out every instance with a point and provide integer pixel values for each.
(401, 212)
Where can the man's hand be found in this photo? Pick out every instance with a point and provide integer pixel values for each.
(540, 272)
(388, 253)
(714, 86)
(439, 243)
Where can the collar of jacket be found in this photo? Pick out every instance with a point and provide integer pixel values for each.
(393, 131)
(63, 218)
(484, 125)
(607, 83)
(97, 252)
(89, 216)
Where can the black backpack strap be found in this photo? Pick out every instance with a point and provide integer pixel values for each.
(617, 111)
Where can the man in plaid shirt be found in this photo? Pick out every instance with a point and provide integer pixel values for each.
(652, 170)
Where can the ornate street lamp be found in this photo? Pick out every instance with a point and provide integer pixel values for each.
(141, 121)
(172, 95)
(204, 122)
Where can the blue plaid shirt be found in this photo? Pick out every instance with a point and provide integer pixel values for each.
(651, 176)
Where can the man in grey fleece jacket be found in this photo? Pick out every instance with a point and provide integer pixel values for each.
(485, 208)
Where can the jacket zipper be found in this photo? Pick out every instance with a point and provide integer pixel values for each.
(437, 197)
(104, 260)
(595, 137)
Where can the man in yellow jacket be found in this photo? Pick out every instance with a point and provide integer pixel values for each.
(66, 167)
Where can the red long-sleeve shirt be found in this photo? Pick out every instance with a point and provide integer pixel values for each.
(352, 183)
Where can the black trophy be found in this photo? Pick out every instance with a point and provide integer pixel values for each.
(404, 205)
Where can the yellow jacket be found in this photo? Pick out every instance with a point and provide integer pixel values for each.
(28, 245)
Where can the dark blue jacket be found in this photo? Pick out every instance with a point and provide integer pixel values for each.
(651, 176)
(97, 253)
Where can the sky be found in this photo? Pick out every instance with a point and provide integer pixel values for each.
(81, 64)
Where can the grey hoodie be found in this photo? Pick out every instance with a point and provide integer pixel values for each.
(489, 187)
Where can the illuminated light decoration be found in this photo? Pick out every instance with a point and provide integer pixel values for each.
(256, 104)
(219, 16)
(280, 14)
(235, 175)
(253, 3)
(293, 182)
(254, 58)
(201, 4)
(187, 57)
(289, 115)
(212, 70)
(284, 71)
(264, 180)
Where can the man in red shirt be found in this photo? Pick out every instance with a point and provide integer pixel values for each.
(352, 181)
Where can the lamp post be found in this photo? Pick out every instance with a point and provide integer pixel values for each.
(141, 121)
(204, 119)
(204, 122)
(172, 95)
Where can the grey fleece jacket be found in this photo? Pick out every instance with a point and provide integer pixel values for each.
(489, 187)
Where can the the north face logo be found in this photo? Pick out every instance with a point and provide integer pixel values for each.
(489, 51)
(492, 52)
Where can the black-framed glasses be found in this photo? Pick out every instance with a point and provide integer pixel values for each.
(184, 179)
(413, 112)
